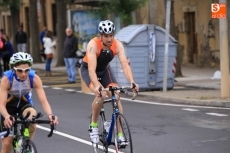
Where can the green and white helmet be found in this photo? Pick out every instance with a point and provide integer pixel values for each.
(21, 57)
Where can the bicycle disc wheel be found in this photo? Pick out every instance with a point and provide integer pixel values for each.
(102, 146)
(125, 146)
(30, 148)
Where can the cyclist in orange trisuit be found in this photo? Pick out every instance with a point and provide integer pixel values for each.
(96, 71)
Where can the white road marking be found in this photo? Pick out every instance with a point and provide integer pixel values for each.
(162, 104)
(216, 114)
(71, 137)
(70, 90)
(56, 88)
(45, 86)
(189, 109)
(168, 104)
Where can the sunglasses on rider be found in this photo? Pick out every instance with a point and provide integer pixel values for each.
(22, 70)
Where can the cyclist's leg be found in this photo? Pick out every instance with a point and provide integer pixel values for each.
(27, 107)
(7, 142)
(96, 107)
(108, 79)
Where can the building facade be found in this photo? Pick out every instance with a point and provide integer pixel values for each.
(198, 33)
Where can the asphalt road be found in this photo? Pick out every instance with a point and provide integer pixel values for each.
(156, 127)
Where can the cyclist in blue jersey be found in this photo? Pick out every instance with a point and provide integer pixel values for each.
(15, 92)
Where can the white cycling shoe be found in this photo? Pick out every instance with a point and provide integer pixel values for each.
(122, 142)
(93, 134)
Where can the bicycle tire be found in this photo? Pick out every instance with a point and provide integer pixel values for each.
(102, 146)
(128, 148)
(30, 147)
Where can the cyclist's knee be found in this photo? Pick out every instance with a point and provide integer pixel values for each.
(7, 144)
(98, 100)
(32, 129)
(117, 97)
(31, 110)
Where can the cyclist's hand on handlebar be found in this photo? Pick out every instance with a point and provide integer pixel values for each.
(54, 119)
(97, 92)
(100, 93)
(134, 87)
(8, 122)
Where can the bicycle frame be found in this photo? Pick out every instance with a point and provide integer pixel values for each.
(24, 132)
(106, 135)
(113, 118)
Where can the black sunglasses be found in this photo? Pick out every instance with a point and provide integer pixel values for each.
(22, 70)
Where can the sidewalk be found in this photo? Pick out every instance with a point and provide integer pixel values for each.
(195, 87)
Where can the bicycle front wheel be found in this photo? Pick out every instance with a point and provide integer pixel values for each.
(123, 139)
(30, 148)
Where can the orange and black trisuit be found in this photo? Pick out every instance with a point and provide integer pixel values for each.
(103, 70)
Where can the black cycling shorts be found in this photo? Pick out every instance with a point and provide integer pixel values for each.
(105, 77)
(12, 109)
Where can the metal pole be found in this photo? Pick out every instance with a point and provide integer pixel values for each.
(224, 67)
(168, 7)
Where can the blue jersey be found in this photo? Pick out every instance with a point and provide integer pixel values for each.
(20, 89)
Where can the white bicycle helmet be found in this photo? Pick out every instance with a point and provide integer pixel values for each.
(106, 27)
(21, 57)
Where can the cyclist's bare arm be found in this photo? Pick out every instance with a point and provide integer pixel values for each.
(124, 62)
(92, 62)
(4, 86)
(41, 95)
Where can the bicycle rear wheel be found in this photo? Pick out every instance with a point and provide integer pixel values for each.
(30, 148)
(122, 126)
(102, 146)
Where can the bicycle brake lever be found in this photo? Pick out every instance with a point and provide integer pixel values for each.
(136, 92)
(27, 115)
(39, 114)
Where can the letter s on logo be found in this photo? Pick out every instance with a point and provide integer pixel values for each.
(215, 7)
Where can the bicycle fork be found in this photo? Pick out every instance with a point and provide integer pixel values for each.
(20, 142)
(111, 129)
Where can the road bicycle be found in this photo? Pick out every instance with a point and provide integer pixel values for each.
(21, 133)
(108, 131)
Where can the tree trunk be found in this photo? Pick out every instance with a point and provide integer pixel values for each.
(228, 18)
(174, 32)
(43, 12)
(14, 21)
(61, 26)
(34, 33)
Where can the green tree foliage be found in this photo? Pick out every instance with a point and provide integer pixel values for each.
(13, 5)
(122, 7)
